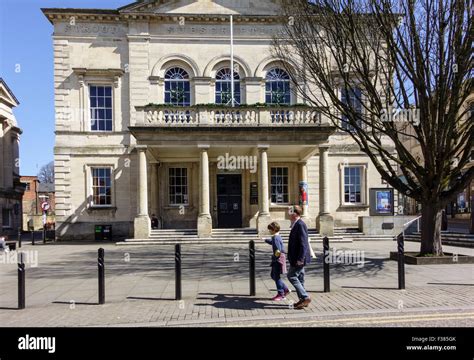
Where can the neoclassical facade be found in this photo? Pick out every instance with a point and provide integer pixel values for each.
(145, 125)
(11, 190)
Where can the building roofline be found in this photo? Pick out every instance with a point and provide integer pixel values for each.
(9, 91)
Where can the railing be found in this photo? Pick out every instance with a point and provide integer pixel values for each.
(225, 116)
(406, 225)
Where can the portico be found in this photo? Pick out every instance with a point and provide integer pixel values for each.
(198, 181)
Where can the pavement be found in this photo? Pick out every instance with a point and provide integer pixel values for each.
(61, 288)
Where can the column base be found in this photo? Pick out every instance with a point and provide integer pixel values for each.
(142, 227)
(325, 225)
(262, 224)
(204, 227)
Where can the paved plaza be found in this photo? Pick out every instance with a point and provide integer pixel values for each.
(62, 289)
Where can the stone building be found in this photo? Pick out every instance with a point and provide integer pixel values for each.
(11, 190)
(144, 126)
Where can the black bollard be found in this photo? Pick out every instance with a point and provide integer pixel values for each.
(32, 237)
(101, 267)
(44, 235)
(326, 260)
(21, 282)
(19, 237)
(252, 267)
(177, 271)
(401, 262)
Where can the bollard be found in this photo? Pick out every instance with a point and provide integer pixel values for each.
(21, 282)
(252, 267)
(32, 237)
(177, 271)
(401, 262)
(101, 267)
(44, 235)
(327, 286)
(19, 237)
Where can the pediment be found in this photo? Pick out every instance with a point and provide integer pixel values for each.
(6, 94)
(237, 7)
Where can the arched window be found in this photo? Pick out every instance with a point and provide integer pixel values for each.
(224, 86)
(277, 87)
(177, 87)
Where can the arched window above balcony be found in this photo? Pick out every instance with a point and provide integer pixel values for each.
(277, 87)
(224, 86)
(177, 87)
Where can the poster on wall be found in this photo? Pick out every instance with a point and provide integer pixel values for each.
(381, 202)
(303, 193)
(384, 202)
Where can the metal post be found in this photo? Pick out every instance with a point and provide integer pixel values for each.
(32, 237)
(252, 267)
(19, 237)
(44, 234)
(326, 260)
(21, 282)
(401, 262)
(101, 268)
(177, 271)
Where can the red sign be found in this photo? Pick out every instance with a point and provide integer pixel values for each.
(45, 206)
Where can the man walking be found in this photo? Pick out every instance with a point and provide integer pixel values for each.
(298, 255)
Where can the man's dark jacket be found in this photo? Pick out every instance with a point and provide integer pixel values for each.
(298, 245)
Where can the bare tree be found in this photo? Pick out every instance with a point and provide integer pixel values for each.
(362, 59)
(46, 173)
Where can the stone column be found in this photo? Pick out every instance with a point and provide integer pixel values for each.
(154, 189)
(263, 195)
(303, 176)
(325, 220)
(142, 223)
(204, 218)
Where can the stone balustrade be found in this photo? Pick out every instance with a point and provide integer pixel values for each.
(226, 116)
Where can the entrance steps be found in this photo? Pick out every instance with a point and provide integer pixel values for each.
(448, 238)
(219, 236)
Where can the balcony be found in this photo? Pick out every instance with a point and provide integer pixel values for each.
(224, 116)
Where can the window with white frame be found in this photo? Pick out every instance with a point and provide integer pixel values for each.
(353, 99)
(177, 87)
(178, 186)
(277, 87)
(279, 185)
(224, 87)
(353, 184)
(101, 186)
(100, 98)
(7, 218)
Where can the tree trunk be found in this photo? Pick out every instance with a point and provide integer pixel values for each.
(431, 217)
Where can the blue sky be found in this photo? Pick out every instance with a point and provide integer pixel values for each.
(26, 64)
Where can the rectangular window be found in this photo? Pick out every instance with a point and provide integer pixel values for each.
(279, 184)
(101, 107)
(178, 186)
(101, 187)
(353, 99)
(352, 185)
(7, 218)
(27, 186)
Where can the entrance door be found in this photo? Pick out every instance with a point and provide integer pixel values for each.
(229, 201)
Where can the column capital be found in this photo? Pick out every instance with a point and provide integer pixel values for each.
(204, 147)
(141, 147)
(324, 147)
(263, 147)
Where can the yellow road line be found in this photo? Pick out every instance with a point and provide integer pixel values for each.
(384, 319)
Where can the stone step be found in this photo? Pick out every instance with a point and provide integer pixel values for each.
(203, 241)
(461, 242)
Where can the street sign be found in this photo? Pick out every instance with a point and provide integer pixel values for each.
(45, 206)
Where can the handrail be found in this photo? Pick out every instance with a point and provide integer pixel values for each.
(405, 226)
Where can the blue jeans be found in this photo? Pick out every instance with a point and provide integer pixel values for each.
(276, 276)
(296, 278)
